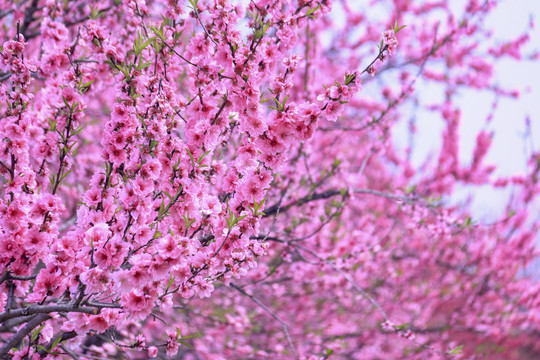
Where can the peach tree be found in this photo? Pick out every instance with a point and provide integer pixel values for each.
(217, 179)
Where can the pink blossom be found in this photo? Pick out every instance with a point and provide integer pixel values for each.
(389, 39)
(152, 351)
(209, 173)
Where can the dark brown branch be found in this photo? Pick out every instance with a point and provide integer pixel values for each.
(8, 325)
(28, 18)
(5, 76)
(313, 197)
(21, 334)
(9, 276)
(46, 309)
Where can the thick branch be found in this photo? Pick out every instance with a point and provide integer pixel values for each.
(21, 334)
(46, 309)
(333, 192)
(9, 276)
(317, 196)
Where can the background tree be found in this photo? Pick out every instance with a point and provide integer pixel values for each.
(205, 180)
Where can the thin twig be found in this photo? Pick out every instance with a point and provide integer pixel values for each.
(349, 279)
(271, 313)
(204, 28)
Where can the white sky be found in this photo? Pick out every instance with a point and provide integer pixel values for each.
(509, 150)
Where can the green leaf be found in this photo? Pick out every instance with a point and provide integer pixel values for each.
(84, 87)
(397, 28)
(187, 221)
(52, 180)
(456, 351)
(194, 4)
(140, 44)
(329, 352)
(168, 195)
(94, 13)
(157, 45)
(161, 208)
(201, 158)
(311, 11)
(52, 124)
(191, 157)
(55, 343)
(232, 220)
(144, 65)
(401, 327)
(278, 104)
(257, 206)
(78, 130)
(185, 344)
(171, 280)
(285, 100)
(111, 64)
(410, 189)
(349, 78)
(158, 31)
(36, 332)
(65, 174)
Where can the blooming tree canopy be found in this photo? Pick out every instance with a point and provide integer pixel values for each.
(207, 179)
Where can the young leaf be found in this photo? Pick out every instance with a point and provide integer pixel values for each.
(457, 350)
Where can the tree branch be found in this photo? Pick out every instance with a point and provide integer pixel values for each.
(46, 309)
(27, 329)
(349, 279)
(277, 318)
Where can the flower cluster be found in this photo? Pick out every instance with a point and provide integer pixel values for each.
(202, 179)
(390, 41)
